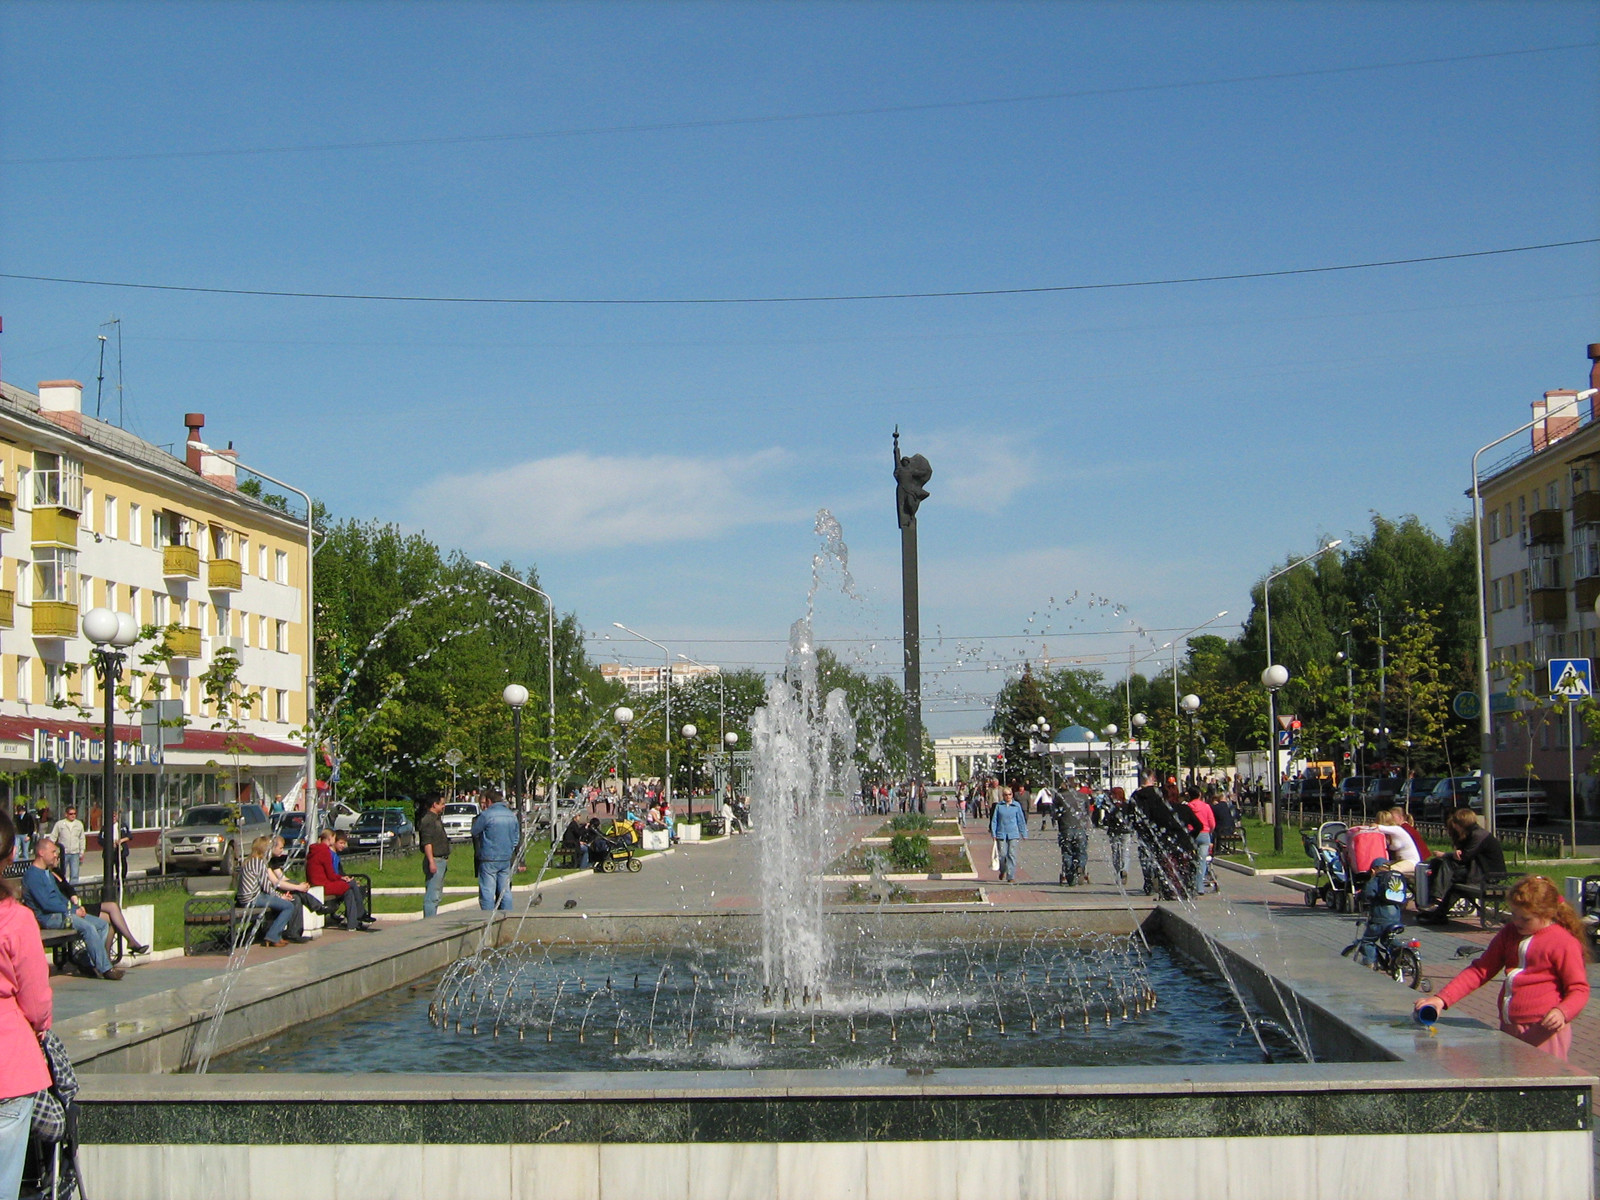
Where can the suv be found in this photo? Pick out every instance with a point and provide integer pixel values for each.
(458, 816)
(1416, 789)
(1450, 793)
(1382, 792)
(203, 841)
(1520, 798)
(1350, 792)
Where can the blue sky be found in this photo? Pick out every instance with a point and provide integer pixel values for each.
(1102, 459)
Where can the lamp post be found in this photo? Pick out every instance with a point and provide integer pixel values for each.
(1177, 752)
(730, 740)
(1190, 705)
(1272, 715)
(624, 718)
(112, 633)
(550, 674)
(1273, 678)
(667, 682)
(689, 732)
(309, 802)
(1111, 732)
(1138, 721)
(1485, 712)
(516, 696)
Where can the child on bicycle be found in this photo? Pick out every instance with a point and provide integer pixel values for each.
(1385, 897)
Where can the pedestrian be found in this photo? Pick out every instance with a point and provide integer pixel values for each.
(1044, 804)
(1165, 849)
(69, 834)
(26, 826)
(1542, 952)
(1008, 825)
(1118, 824)
(25, 1005)
(1072, 837)
(495, 834)
(435, 855)
(1206, 820)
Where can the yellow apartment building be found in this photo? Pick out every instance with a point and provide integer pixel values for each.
(92, 515)
(1541, 554)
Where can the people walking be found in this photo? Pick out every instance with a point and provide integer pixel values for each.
(68, 833)
(1117, 822)
(1071, 815)
(1009, 825)
(1206, 824)
(435, 855)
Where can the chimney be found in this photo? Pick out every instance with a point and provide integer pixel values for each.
(61, 401)
(218, 467)
(193, 446)
(1594, 377)
(1560, 414)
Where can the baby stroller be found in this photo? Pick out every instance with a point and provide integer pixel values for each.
(1360, 845)
(608, 852)
(1333, 886)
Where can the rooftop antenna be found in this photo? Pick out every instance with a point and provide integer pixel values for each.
(100, 380)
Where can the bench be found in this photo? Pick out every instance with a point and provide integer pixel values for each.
(212, 920)
(1491, 894)
(564, 857)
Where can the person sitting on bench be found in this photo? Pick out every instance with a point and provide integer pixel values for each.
(53, 910)
(322, 870)
(577, 839)
(1466, 870)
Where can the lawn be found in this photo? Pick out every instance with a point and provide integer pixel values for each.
(1258, 837)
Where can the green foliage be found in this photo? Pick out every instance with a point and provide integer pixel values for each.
(908, 822)
(910, 851)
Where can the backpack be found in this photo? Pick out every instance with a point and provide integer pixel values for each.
(1394, 889)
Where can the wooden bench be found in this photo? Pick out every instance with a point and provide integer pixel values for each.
(212, 920)
(564, 857)
(1491, 894)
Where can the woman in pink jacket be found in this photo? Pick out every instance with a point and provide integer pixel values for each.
(24, 1015)
(1541, 949)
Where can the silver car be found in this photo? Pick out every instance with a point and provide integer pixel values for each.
(210, 837)
(458, 817)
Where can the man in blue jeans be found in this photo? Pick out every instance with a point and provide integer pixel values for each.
(496, 833)
(54, 911)
(435, 855)
(1009, 825)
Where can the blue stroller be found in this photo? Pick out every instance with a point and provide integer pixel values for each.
(1334, 886)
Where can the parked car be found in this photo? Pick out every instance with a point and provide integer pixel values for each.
(1416, 789)
(1382, 792)
(1519, 798)
(1352, 792)
(291, 827)
(458, 816)
(386, 829)
(202, 840)
(339, 815)
(1450, 793)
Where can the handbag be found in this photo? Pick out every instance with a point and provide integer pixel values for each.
(994, 856)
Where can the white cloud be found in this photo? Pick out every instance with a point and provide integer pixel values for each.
(585, 501)
(978, 470)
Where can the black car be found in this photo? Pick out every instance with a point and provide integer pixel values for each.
(1450, 793)
(1351, 790)
(386, 829)
(1382, 792)
(291, 827)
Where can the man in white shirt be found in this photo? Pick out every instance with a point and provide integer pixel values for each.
(68, 833)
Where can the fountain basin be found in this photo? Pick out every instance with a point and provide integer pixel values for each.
(1467, 1113)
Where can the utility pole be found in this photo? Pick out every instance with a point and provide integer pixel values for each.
(910, 476)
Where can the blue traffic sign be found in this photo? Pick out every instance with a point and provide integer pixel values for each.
(1569, 677)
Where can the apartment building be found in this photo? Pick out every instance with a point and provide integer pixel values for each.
(91, 515)
(1541, 553)
(647, 681)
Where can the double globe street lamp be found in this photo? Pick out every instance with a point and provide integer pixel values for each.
(1190, 705)
(1273, 678)
(112, 633)
(624, 718)
(1110, 733)
(516, 696)
(730, 740)
(1139, 721)
(689, 734)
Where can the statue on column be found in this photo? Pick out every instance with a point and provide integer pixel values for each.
(910, 474)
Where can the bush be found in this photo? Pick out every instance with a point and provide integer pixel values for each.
(910, 851)
(911, 821)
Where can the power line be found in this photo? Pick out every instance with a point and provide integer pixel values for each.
(708, 300)
(781, 118)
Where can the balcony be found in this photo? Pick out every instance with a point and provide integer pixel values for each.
(1585, 592)
(8, 511)
(180, 562)
(1586, 509)
(55, 618)
(1545, 527)
(1549, 605)
(224, 575)
(8, 609)
(55, 527)
(184, 642)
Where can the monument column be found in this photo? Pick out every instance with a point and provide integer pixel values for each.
(910, 474)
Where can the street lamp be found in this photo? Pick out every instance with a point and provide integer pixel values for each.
(689, 732)
(667, 681)
(1177, 752)
(1138, 721)
(111, 633)
(730, 740)
(550, 673)
(1111, 732)
(1266, 604)
(516, 696)
(1273, 678)
(1190, 705)
(624, 718)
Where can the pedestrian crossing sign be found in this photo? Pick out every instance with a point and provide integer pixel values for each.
(1569, 677)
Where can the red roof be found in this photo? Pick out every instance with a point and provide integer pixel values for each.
(201, 741)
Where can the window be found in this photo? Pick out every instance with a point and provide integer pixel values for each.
(55, 575)
(222, 620)
(135, 530)
(1546, 571)
(86, 514)
(244, 556)
(1522, 517)
(281, 708)
(1494, 526)
(57, 481)
(24, 591)
(1494, 595)
(24, 679)
(200, 615)
(281, 638)
(1554, 494)
(170, 529)
(109, 526)
(261, 632)
(86, 593)
(261, 564)
(160, 609)
(24, 488)
(55, 682)
(280, 566)
(133, 604)
(221, 542)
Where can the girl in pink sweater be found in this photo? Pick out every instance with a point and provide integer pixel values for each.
(1543, 954)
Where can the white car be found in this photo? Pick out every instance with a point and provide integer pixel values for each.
(457, 818)
(340, 816)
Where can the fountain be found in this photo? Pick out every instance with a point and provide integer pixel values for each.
(805, 1050)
